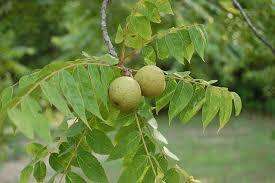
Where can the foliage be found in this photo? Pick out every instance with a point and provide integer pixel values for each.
(79, 89)
(234, 54)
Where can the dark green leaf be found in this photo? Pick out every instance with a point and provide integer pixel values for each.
(172, 176)
(39, 171)
(57, 163)
(91, 167)
(99, 142)
(75, 129)
(72, 177)
(126, 145)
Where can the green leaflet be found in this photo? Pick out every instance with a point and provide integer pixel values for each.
(141, 26)
(225, 108)
(28, 80)
(37, 151)
(237, 103)
(126, 145)
(25, 174)
(176, 43)
(54, 97)
(91, 167)
(6, 97)
(149, 10)
(149, 55)
(128, 175)
(194, 105)
(107, 58)
(162, 49)
(57, 163)
(136, 170)
(99, 142)
(134, 41)
(163, 162)
(22, 122)
(212, 104)
(99, 89)
(72, 177)
(166, 96)
(87, 92)
(164, 6)
(181, 97)
(181, 42)
(199, 39)
(75, 129)
(119, 35)
(39, 171)
(172, 176)
(39, 122)
(73, 95)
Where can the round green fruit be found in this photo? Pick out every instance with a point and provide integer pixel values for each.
(151, 80)
(125, 93)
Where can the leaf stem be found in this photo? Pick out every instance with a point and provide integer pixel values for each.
(144, 144)
(72, 157)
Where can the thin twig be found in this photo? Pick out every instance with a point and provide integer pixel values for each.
(104, 29)
(145, 146)
(252, 27)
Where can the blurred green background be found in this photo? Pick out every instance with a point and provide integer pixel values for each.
(36, 32)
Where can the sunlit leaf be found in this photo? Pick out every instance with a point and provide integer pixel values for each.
(119, 35)
(141, 26)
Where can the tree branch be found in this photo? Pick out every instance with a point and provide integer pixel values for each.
(104, 29)
(252, 27)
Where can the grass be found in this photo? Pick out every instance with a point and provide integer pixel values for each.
(243, 152)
